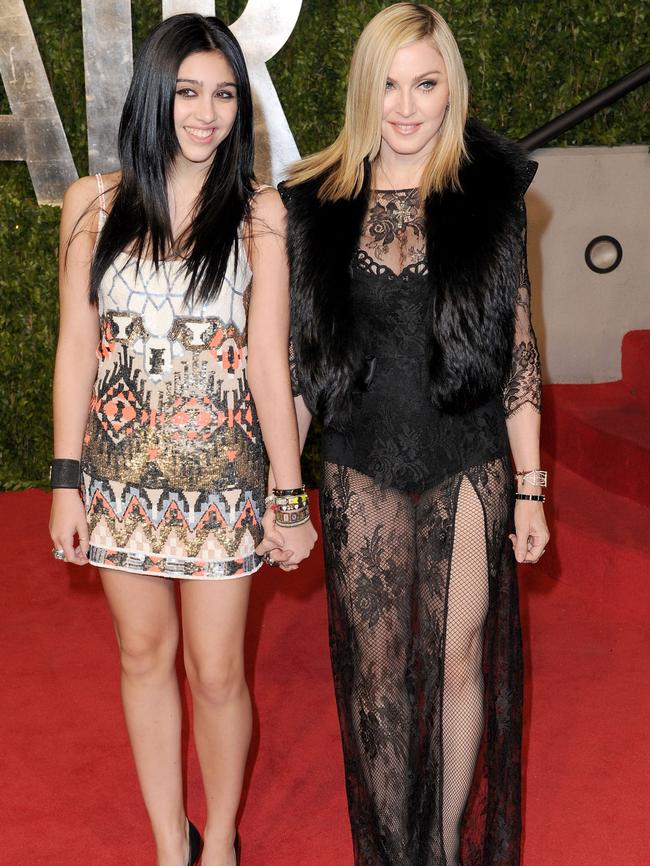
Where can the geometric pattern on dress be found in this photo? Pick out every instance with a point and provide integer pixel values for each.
(173, 459)
(119, 403)
(155, 299)
(158, 295)
(172, 567)
(125, 519)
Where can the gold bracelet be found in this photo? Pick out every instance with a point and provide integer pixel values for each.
(294, 523)
(291, 501)
(291, 518)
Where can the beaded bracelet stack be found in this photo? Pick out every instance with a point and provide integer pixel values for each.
(291, 506)
(534, 477)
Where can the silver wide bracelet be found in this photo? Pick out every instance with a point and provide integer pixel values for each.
(534, 477)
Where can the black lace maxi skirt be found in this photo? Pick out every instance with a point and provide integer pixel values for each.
(427, 662)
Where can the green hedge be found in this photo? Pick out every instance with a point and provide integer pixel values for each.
(527, 62)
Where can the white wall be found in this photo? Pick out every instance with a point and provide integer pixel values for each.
(581, 316)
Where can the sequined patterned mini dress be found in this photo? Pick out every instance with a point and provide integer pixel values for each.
(172, 460)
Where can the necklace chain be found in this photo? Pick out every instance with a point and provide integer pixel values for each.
(403, 208)
(390, 180)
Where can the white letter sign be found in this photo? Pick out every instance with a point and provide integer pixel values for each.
(33, 131)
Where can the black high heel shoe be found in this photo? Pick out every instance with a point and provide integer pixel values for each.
(196, 844)
(238, 848)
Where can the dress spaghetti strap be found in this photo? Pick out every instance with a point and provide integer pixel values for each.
(102, 202)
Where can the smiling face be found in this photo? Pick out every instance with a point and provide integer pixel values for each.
(205, 106)
(415, 101)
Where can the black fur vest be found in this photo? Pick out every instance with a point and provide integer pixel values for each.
(474, 249)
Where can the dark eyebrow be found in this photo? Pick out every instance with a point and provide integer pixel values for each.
(200, 83)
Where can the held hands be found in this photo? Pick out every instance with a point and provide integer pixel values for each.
(67, 519)
(531, 532)
(287, 546)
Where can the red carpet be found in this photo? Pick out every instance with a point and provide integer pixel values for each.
(603, 431)
(69, 794)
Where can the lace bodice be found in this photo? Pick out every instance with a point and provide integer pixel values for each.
(393, 244)
(396, 434)
(394, 232)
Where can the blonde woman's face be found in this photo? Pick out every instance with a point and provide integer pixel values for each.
(415, 100)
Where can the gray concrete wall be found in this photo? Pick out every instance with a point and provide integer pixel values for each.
(580, 316)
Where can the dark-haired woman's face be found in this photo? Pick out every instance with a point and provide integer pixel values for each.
(205, 106)
(415, 100)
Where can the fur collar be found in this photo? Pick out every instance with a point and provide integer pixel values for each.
(474, 251)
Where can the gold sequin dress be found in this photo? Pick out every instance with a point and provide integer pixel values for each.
(172, 460)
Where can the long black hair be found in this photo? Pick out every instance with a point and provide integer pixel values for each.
(139, 220)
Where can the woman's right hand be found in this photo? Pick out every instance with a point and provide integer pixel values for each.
(300, 540)
(288, 546)
(67, 519)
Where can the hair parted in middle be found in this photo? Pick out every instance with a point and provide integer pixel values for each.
(395, 27)
(139, 220)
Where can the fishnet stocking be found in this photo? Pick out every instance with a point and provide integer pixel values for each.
(462, 705)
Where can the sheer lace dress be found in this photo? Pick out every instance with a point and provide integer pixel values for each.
(424, 625)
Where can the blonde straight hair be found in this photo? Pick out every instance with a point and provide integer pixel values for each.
(360, 139)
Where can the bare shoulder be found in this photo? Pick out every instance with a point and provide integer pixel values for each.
(84, 194)
(80, 194)
(82, 204)
(266, 204)
(268, 216)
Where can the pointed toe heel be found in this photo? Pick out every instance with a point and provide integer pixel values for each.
(195, 843)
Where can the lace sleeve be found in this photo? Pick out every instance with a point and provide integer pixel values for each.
(525, 383)
(293, 370)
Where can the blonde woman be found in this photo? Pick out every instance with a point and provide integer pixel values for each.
(413, 344)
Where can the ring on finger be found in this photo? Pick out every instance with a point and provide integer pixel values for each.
(268, 559)
(58, 553)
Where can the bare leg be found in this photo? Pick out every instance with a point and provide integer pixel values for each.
(462, 715)
(214, 620)
(146, 625)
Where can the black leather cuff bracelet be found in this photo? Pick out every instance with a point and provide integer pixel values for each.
(65, 473)
(295, 491)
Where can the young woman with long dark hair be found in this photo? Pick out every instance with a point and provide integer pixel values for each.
(413, 344)
(159, 264)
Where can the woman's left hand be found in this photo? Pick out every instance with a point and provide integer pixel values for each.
(531, 532)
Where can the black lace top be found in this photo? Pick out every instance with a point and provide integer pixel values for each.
(396, 435)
